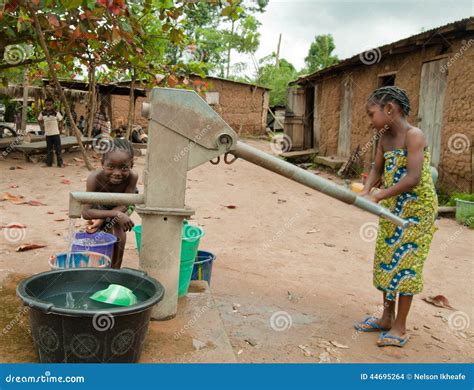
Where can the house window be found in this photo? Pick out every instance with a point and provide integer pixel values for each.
(212, 98)
(387, 80)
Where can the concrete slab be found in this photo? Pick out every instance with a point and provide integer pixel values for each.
(333, 162)
(195, 335)
(299, 153)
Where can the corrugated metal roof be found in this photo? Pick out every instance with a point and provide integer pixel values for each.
(420, 39)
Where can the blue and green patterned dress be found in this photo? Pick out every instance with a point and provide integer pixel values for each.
(401, 253)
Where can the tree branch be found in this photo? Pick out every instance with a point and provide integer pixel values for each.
(58, 86)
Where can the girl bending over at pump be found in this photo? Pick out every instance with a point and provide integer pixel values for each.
(116, 175)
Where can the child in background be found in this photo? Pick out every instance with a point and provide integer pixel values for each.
(117, 176)
(50, 122)
(403, 161)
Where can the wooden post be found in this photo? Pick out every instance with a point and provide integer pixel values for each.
(92, 99)
(131, 107)
(277, 61)
(24, 108)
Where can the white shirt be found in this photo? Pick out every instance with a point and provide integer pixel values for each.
(51, 123)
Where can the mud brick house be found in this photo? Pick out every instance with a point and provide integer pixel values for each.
(326, 109)
(243, 106)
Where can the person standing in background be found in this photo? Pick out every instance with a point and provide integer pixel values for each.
(51, 124)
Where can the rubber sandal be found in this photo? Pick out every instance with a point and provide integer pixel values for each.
(393, 341)
(374, 327)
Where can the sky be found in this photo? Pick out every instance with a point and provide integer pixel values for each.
(356, 25)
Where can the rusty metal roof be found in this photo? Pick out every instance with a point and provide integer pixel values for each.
(438, 35)
(107, 89)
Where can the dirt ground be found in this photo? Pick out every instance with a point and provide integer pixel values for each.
(293, 271)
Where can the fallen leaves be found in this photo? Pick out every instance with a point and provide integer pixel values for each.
(252, 342)
(231, 206)
(19, 199)
(305, 348)
(65, 181)
(13, 226)
(11, 197)
(34, 203)
(339, 345)
(30, 246)
(439, 301)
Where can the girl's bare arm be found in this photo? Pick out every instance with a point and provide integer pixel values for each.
(375, 172)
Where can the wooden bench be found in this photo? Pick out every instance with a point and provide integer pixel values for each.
(67, 143)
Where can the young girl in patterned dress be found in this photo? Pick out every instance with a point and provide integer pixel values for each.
(403, 161)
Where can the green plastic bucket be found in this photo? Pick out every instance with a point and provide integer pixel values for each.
(190, 237)
(465, 212)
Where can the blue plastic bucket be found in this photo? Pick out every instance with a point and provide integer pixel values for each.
(99, 242)
(203, 266)
(79, 260)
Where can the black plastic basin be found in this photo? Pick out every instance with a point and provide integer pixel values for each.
(69, 327)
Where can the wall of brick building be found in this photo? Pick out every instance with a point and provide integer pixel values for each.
(120, 105)
(458, 114)
(242, 106)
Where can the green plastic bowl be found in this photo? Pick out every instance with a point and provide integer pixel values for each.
(190, 238)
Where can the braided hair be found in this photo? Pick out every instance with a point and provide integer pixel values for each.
(117, 144)
(383, 95)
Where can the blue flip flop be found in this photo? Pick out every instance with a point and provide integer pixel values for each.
(393, 341)
(374, 327)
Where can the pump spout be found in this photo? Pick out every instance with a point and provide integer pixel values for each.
(77, 199)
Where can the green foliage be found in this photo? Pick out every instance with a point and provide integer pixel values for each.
(276, 78)
(461, 196)
(319, 54)
(213, 30)
(116, 35)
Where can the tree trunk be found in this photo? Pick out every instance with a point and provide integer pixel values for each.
(58, 87)
(131, 107)
(228, 50)
(92, 99)
(24, 108)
